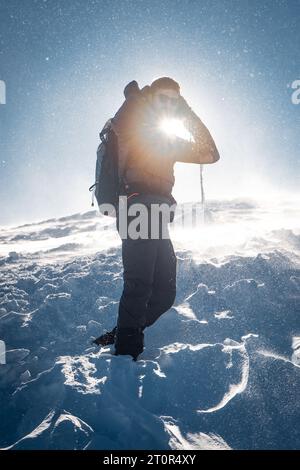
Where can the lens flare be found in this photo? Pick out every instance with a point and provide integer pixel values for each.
(175, 128)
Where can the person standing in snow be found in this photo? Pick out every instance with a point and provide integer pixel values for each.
(146, 161)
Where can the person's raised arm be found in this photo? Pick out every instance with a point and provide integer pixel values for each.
(203, 149)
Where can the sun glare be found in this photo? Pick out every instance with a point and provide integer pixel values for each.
(175, 128)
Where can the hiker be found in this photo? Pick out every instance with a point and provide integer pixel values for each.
(146, 176)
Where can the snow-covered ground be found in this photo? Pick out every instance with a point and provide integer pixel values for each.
(220, 370)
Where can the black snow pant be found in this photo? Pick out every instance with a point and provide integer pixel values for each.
(149, 281)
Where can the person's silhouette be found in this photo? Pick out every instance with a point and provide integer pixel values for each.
(146, 161)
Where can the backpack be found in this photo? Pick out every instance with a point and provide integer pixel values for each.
(106, 187)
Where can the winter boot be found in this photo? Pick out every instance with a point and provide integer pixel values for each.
(129, 341)
(107, 338)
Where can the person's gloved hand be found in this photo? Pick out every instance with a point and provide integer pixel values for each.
(131, 89)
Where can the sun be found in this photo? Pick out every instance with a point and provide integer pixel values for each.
(175, 128)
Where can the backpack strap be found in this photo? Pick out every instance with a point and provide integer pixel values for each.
(105, 130)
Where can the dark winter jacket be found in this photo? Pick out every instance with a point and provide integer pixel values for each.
(146, 155)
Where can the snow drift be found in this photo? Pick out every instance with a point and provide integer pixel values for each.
(220, 370)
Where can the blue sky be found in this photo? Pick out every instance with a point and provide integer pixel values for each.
(65, 65)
